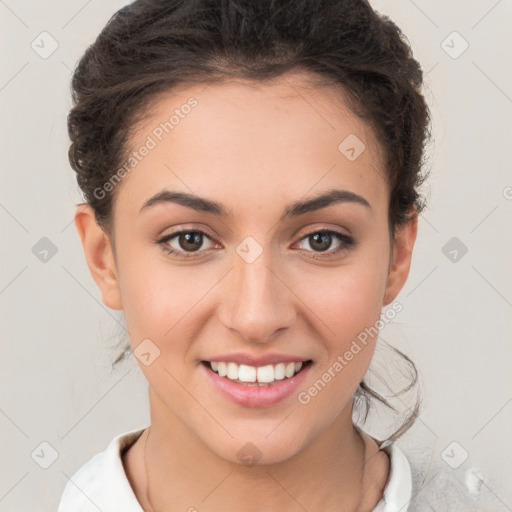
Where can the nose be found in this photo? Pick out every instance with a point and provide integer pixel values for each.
(257, 303)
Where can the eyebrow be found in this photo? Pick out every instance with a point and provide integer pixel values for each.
(295, 209)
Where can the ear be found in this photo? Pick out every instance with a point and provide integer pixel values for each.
(99, 255)
(405, 236)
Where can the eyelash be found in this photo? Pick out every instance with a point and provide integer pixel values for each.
(346, 242)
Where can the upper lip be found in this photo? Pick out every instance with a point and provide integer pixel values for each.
(252, 360)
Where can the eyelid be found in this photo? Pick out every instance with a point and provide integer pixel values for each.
(186, 229)
(325, 230)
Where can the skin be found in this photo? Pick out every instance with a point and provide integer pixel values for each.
(254, 147)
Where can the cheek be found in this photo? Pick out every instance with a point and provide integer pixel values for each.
(348, 303)
(164, 302)
(347, 299)
(153, 298)
(158, 307)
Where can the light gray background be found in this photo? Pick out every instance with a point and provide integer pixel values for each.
(58, 338)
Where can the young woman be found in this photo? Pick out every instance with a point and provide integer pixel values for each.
(251, 174)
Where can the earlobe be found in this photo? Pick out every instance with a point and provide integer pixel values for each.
(99, 256)
(405, 236)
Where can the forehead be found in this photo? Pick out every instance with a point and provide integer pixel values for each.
(261, 140)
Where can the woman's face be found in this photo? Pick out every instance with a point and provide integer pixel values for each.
(259, 282)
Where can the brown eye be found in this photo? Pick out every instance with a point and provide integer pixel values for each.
(190, 241)
(184, 243)
(321, 242)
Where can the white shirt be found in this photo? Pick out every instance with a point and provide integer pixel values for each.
(101, 485)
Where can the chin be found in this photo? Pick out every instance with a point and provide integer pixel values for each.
(257, 450)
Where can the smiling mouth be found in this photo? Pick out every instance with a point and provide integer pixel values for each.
(256, 375)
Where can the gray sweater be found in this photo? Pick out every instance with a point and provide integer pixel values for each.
(438, 487)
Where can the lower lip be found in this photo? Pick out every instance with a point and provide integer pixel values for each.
(256, 396)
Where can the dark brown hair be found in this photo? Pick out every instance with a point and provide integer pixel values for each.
(151, 46)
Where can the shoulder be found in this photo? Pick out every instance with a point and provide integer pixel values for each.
(436, 486)
(416, 484)
(102, 483)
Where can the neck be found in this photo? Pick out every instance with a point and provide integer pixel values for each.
(183, 473)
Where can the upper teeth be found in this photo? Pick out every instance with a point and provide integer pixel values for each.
(245, 373)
